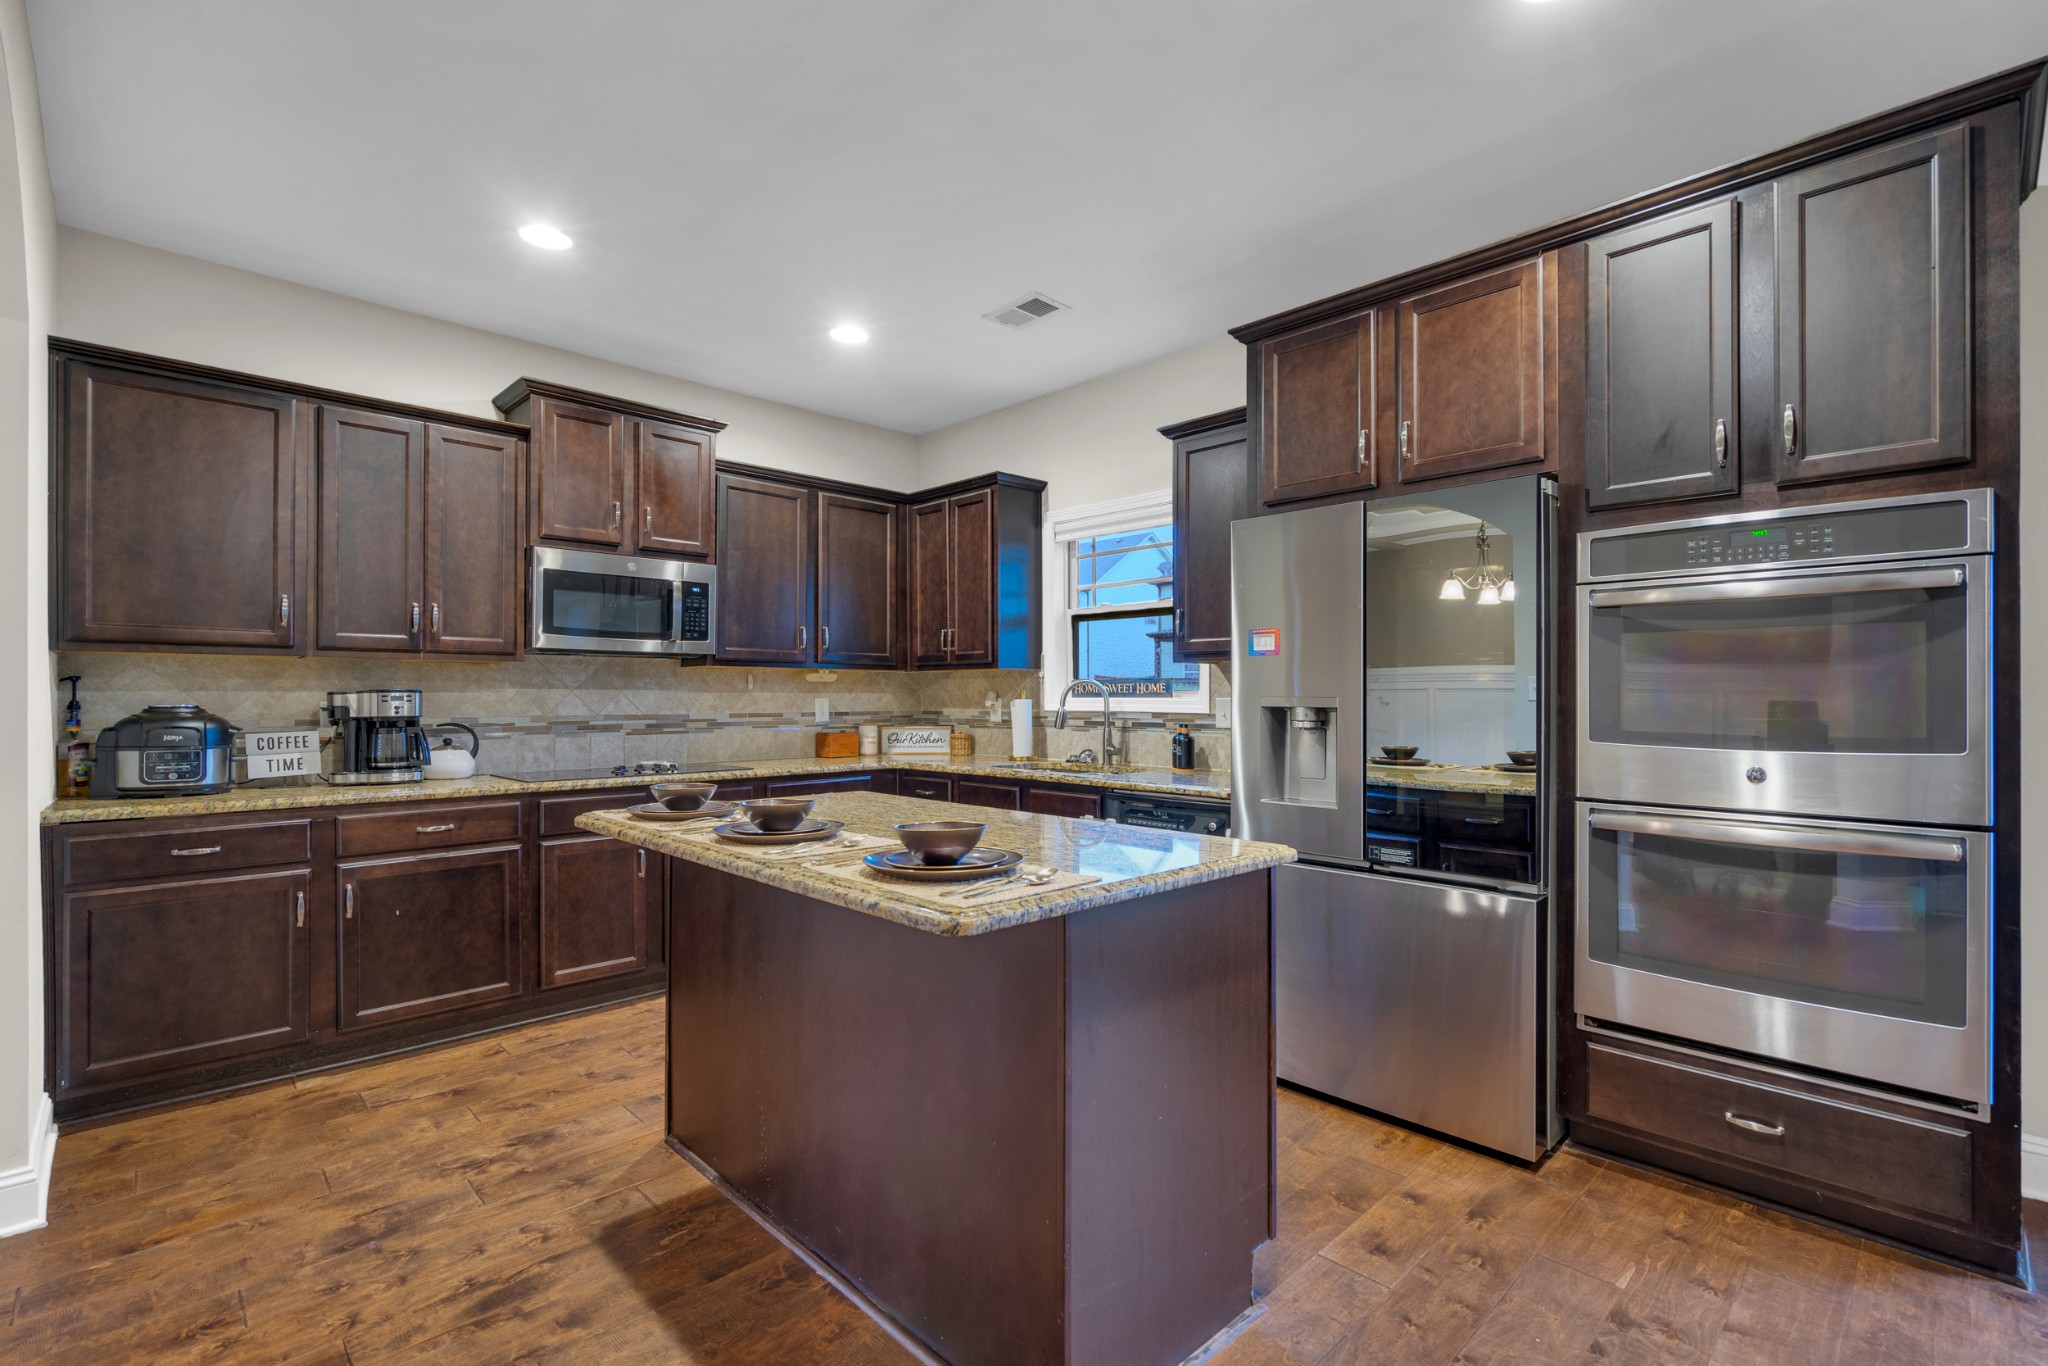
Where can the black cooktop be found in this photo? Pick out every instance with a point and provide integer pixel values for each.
(581, 775)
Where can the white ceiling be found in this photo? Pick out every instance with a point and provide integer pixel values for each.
(740, 175)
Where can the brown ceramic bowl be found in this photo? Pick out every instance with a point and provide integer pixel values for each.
(1521, 758)
(941, 842)
(777, 815)
(683, 796)
(1398, 751)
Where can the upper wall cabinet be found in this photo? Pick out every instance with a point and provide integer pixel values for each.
(177, 503)
(1473, 374)
(1321, 409)
(768, 579)
(1661, 421)
(1212, 487)
(858, 578)
(614, 475)
(1873, 325)
(972, 576)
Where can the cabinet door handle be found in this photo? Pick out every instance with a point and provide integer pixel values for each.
(617, 512)
(415, 619)
(803, 637)
(1755, 1126)
(1791, 430)
(1180, 622)
(348, 901)
(433, 829)
(643, 861)
(435, 619)
(824, 637)
(1720, 443)
(647, 517)
(1363, 437)
(284, 609)
(1407, 440)
(300, 898)
(195, 853)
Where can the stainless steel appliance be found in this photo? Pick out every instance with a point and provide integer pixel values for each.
(1412, 940)
(1825, 661)
(1859, 949)
(586, 601)
(1157, 812)
(173, 749)
(378, 736)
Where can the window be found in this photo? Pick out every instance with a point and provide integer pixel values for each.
(1112, 608)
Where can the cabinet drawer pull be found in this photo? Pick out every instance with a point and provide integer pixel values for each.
(299, 898)
(1481, 820)
(1408, 441)
(348, 901)
(434, 829)
(195, 853)
(1755, 1126)
(1379, 811)
(1720, 443)
(1791, 430)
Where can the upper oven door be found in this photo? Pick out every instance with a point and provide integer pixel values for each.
(1860, 693)
(620, 604)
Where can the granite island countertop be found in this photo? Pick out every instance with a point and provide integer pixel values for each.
(1450, 778)
(1127, 861)
(67, 810)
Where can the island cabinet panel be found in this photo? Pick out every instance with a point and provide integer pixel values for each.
(176, 511)
(678, 495)
(170, 975)
(1472, 375)
(427, 934)
(1212, 487)
(579, 473)
(1660, 419)
(1873, 292)
(474, 550)
(370, 489)
(1319, 424)
(597, 896)
(857, 623)
(767, 571)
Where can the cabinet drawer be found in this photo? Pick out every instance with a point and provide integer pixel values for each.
(431, 825)
(154, 853)
(837, 782)
(558, 814)
(1496, 820)
(1909, 1163)
(932, 789)
(1002, 796)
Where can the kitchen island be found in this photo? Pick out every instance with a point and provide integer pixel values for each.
(1037, 1129)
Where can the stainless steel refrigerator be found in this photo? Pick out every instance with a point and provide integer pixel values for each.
(1412, 940)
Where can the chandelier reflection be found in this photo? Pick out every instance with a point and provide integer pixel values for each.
(1494, 584)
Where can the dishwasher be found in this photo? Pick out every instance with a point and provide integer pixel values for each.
(1192, 814)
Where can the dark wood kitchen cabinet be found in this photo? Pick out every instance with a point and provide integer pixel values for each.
(600, 908)
(1873, 311)
(1212, 487)
(176, 510)
(972, 575)
(857, 581)
(1078, 802)
(615, 475)
(769, 571)
(1473, 385)
(165, 976)
(988, 792)
(1319, 415)
(427, 933)
(418, 545)
(1661, 420)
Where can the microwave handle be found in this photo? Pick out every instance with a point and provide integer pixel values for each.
(1933, 848)
(1886, 581)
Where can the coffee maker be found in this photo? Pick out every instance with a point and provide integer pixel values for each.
(378, 737)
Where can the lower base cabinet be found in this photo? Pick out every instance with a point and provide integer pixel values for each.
(428, 933)
(600, 908)
(170, 975)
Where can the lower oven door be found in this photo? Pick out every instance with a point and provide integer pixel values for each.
(1863, 950)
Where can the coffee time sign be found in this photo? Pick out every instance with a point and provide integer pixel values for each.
(281, 753)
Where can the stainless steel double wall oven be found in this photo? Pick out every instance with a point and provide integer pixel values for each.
(1785, 739)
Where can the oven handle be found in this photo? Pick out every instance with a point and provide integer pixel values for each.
(1948, 576)
(1931, 847)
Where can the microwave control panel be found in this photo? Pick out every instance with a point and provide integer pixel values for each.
(1953, 524)
(696, 611)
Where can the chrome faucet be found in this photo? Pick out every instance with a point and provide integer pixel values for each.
(1108, 731)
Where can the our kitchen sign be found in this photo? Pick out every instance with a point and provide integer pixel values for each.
(917, 739)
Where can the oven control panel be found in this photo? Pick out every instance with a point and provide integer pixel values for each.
(1881, 529)
(1762, 545)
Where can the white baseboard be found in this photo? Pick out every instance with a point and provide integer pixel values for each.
(25, 1191)
(2034, 1166)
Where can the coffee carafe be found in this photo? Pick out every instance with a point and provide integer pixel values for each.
(378, 736)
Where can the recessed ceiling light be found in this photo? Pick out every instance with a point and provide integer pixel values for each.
(546, 235)
(850, 333)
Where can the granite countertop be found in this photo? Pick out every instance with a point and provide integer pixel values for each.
(1450, 778)
(67, 810)
(1128, 861)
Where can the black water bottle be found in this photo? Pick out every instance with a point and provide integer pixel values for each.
(1183, 750)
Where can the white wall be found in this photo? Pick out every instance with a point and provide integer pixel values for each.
(1098, 440)
(117, 293)
(27, 234)
(2033, 662)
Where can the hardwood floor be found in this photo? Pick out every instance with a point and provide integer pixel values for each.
(509, 1198)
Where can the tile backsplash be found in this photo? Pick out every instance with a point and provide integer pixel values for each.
(581, 711)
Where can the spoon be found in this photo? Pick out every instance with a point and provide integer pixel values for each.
(1027, 875)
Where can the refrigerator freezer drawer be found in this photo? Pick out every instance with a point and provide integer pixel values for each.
(1417, 1000)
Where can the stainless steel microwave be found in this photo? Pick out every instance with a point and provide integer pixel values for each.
(586, 601)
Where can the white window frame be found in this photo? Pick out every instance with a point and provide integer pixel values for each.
(1062, 529)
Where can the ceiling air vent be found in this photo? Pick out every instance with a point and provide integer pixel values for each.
(1025, 311)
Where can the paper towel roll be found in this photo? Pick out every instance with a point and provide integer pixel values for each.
(1021, 741)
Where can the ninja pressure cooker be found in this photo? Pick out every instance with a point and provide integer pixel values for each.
(174, 750)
